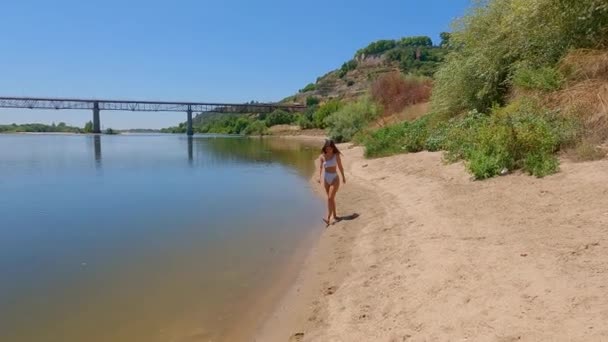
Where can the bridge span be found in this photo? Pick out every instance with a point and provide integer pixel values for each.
(97, 105)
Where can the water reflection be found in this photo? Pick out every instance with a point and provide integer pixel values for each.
(97, 147)
(190, 150)
(215, 150)
(159, 251)
(221, 150)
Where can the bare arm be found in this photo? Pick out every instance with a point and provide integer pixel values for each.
(341, 168)
(320, 168)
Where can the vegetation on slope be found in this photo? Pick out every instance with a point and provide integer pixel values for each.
(509, 93)
(410, 55)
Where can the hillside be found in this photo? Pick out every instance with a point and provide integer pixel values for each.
(410, 55)
(528, 82)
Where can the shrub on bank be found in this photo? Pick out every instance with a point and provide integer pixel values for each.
(324, 111)
(256, 128)
(522, 135)
(498, 36)
(280, 117)
(350, 119)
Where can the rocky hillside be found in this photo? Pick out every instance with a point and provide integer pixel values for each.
(411, 55)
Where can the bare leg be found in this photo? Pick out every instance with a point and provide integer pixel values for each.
(328, 203)
(331, 197)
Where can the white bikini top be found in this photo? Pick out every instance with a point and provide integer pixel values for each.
(330, 163)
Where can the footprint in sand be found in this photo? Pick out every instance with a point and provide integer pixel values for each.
(331, 290)
(297, 337)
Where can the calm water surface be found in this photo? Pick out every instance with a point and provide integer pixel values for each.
(144, 237)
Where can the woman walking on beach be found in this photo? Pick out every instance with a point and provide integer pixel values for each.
(329, 162)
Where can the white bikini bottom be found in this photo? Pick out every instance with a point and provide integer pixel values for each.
(330, 177)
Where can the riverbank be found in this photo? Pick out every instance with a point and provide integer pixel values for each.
(434, 255)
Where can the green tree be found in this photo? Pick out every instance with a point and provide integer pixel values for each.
(280, 117)
(312, 101)
(415, 41)
(445, 39)
(88, 127)
(324, 111)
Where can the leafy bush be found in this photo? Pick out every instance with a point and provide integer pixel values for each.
(312, 101)
(350, 119)
(324, 111)
(309, 87)
(384, 141)
(376, 48)
(280, 117)
(420, 61)
(346, 67)
(522, 135)
(498, 35)
(256, 128)
(304, 122)
(544, 78)
(415, 41)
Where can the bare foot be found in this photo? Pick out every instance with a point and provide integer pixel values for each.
(326, 222)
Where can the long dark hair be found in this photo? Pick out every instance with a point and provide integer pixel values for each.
(332, 144)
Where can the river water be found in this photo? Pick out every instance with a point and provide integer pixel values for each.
(146, 237)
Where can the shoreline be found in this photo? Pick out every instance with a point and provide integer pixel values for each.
(437, 256)
(261, 305)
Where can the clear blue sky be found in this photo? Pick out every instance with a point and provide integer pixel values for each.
(220, 51)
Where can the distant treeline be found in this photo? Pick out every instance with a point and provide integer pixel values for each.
(62, 127)
(40, 128)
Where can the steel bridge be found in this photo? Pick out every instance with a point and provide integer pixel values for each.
(97, 105)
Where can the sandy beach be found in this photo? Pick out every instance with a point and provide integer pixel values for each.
(430, 255)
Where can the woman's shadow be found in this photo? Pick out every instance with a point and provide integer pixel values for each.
(348, 217)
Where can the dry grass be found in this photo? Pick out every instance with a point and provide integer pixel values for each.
(409, 113)
(586, 150)
(585, 94)
(585, 64)
(394, 92)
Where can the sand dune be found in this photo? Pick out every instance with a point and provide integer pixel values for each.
(435, 256)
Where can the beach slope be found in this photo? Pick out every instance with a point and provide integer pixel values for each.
(430, 255)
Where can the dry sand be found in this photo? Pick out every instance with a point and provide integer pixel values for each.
(435, 256)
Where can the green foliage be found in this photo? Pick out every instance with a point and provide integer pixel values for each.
(220, 124)
(280, 117)
(312, 101)
(376, 48)
(544, 78)
(415, 41)
(384, 141)
(422, 61)
(402, 137)
(351, 119)
(445, 39)
(304, 122)
(111, 131)
(499, 35)
(88, 127)
(40, 128)
(309, 87)
(324, 111)
(255, 128)
(181, 128)
(346, 67)
(522, 135)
